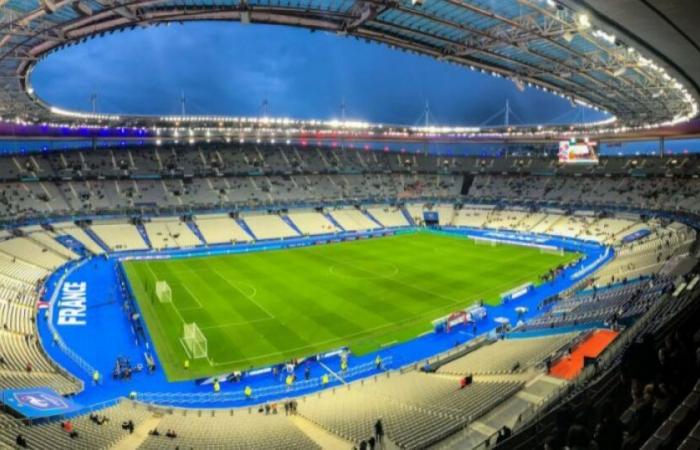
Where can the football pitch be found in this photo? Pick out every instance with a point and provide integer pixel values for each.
(261, 308)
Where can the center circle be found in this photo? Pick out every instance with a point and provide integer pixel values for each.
(364, 269)
(247, 289)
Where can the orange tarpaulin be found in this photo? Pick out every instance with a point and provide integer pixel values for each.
(569, 367)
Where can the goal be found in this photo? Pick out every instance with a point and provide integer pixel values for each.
(550, 250)
(194, 341)
(163, 292)
(484, 241)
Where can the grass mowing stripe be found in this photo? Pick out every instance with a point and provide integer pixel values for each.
(307, 300)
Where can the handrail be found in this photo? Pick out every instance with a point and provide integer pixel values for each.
(258, 394)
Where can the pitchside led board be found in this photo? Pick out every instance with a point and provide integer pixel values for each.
(36, 403)
(431, 218)
(578, 151)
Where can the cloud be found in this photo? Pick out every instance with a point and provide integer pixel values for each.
(227, 68)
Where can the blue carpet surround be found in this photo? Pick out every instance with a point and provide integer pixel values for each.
(105, 332)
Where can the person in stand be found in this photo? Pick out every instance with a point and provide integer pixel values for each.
(21, 441)
(379, 432)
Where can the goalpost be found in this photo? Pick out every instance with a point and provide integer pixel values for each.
(163, 292)
(484, 241)
(194, 341)
(551, 250)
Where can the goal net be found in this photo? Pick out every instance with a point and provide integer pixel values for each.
(194, 341)
(485, 241)
(551, 250)
(163, 292)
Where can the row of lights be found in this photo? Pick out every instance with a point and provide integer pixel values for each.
(582, 20)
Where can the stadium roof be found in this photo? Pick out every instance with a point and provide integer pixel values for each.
(596, 53)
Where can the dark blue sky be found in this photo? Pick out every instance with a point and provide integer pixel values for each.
(228, 68)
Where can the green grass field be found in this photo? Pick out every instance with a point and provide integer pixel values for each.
(267, 307)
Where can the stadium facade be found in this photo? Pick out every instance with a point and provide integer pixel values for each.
(612, 241)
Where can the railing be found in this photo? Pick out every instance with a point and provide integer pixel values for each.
(589, 373)
(258, 395)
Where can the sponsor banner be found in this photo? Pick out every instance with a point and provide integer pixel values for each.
(637, 235)
(431, 217)
(35, 403)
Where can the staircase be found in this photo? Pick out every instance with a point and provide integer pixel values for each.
(291, 224)
(139, 436)
(408, 217)
(371, 217)
(332, 220)
(320, 436)
(195, 229)
(466, 184)
(72, 244)
(142, 231)
(97, 239)
(246, 228)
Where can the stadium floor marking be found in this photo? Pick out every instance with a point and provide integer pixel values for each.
(342, 339)
(373, 275)
(249, 297)
(328, 369)
(194, 297)
(233, 324)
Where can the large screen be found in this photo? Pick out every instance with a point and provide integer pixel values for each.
(578, 151)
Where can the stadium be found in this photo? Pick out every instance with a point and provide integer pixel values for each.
(262, 281)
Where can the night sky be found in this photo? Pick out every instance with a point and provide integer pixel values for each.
(229, 68)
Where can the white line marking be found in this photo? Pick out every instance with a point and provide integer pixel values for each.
(191, 295)
(328, 369)
(249, 297)
(233, 324)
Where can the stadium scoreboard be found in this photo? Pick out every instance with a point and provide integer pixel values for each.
(431, 218)
(578, 151)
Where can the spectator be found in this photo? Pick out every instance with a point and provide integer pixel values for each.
(578, 438)
(128, 425)
(21, 441)
(608, 433)
(379, 432)
(68, 428)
